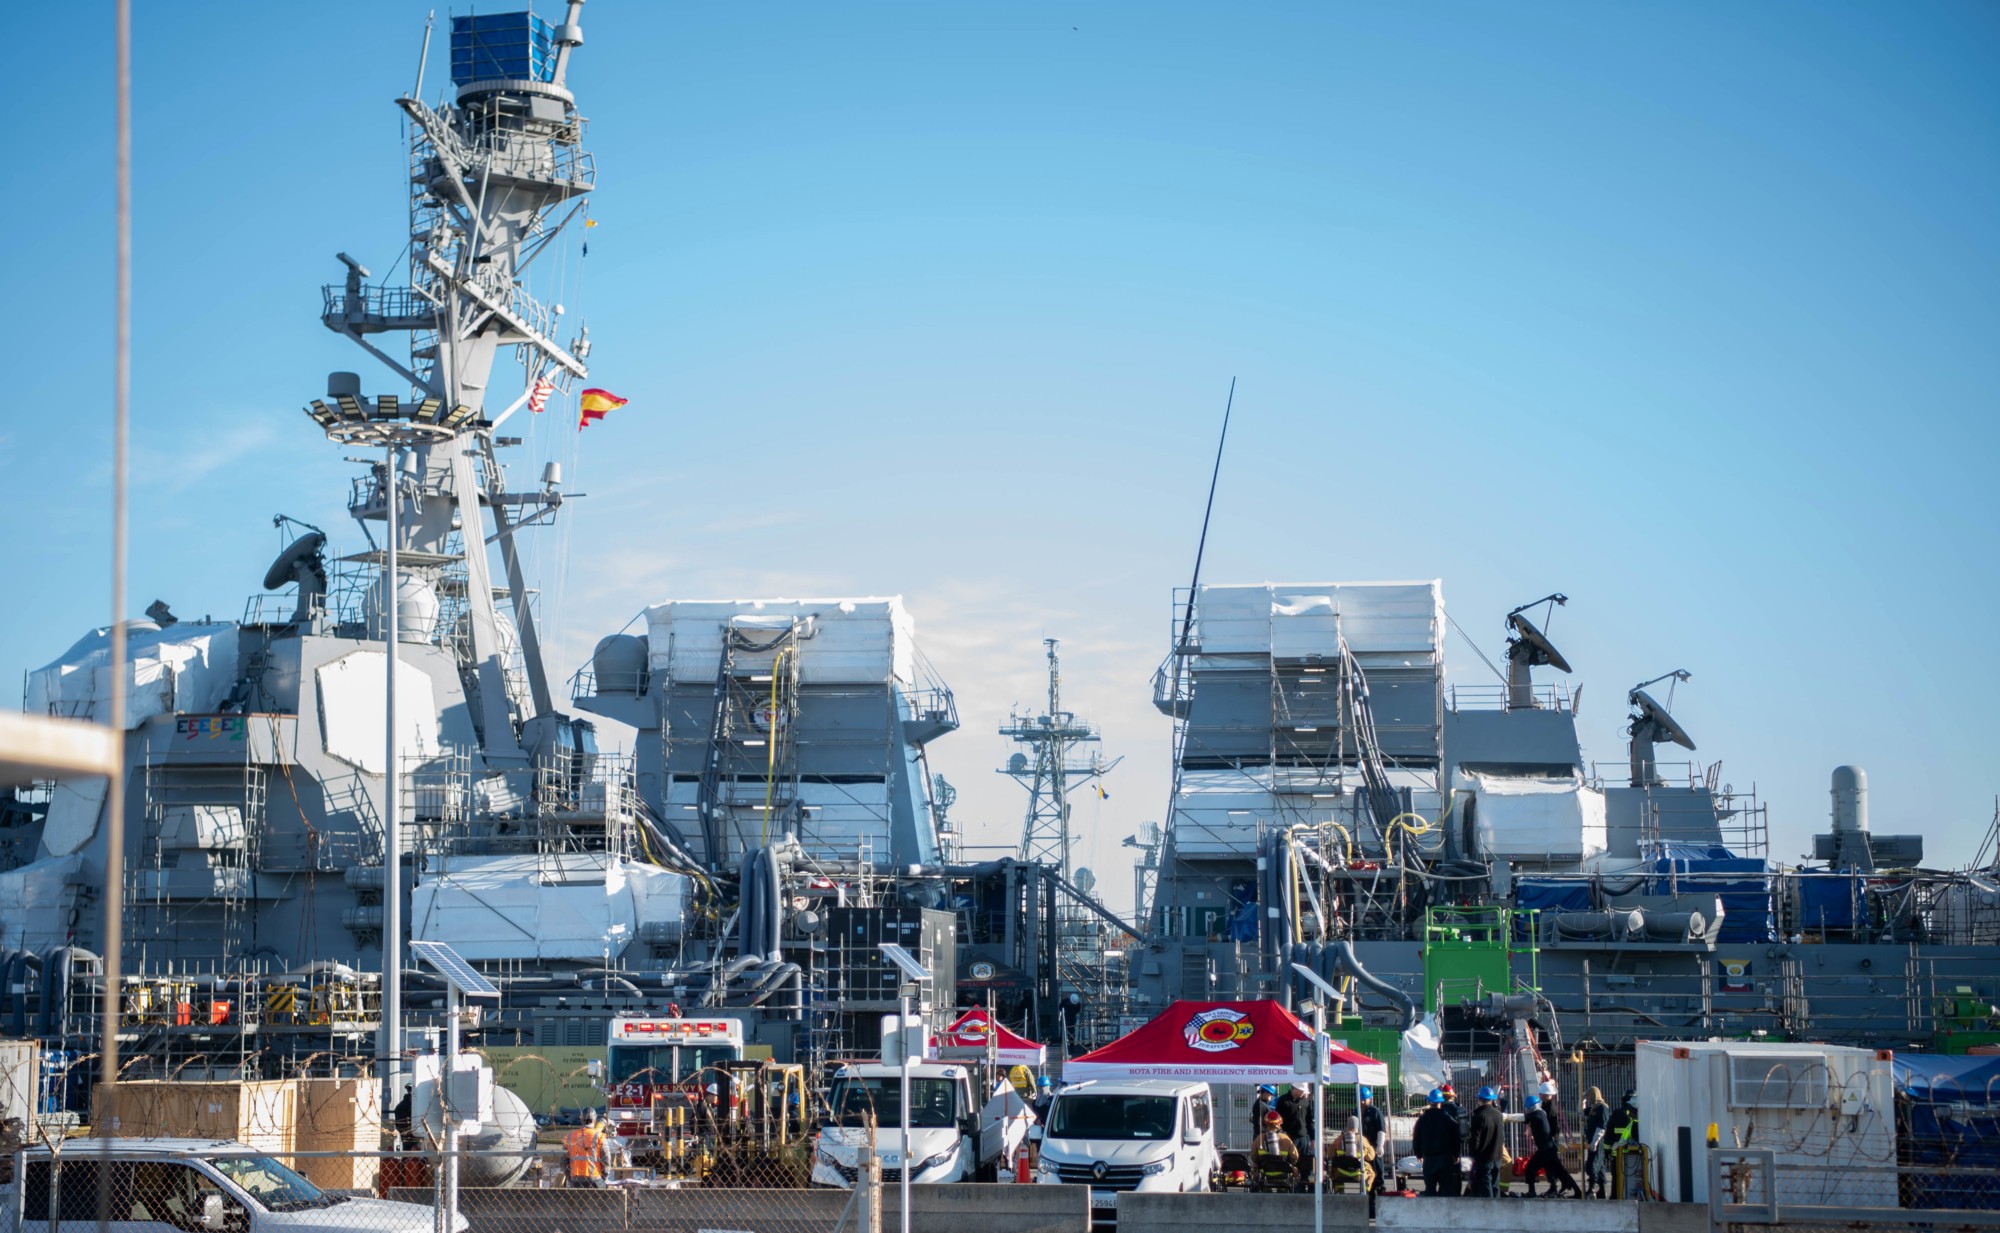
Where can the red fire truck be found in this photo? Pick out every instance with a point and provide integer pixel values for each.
(653, 1060)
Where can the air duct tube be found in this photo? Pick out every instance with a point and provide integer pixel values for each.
(1344, 953)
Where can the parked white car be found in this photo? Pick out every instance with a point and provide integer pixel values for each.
(188, 1185)
(1145, 1135)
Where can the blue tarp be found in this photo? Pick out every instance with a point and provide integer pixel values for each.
(1742, 883)
(1535, 895)
(1949, 1115)
(1949, 1077)
(1827, 900)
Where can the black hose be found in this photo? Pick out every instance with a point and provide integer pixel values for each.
(1344, 950)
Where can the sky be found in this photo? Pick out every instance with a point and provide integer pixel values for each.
(1687, 311)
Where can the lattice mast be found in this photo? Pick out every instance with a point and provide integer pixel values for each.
(1048, 766)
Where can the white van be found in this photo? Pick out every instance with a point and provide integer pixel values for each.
(184, 1185)
(949, 1139)
(1145, 1134)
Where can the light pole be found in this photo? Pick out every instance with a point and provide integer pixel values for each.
(1323, 992)
(915, 975)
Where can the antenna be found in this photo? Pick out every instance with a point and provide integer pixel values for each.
(1529, 648)
(1201, 545)
(1650, 725)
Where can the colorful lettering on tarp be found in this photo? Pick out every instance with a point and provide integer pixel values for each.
(214, 727)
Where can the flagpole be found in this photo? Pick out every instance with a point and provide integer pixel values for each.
(522, 400)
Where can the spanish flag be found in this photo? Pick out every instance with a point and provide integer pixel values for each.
(594, 404)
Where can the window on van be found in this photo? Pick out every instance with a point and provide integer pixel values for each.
(1198, 1121)
(1101, 1115)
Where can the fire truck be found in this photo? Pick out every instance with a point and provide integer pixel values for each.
(660, 1069)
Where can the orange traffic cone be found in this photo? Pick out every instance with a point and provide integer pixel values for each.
(1021, 1169)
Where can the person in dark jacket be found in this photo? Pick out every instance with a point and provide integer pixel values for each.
(1484, 1144)
(1266, 1100)
(1596, 1122)
(1295, 1110)
(1437, 1141)
(1375, 1132)
(1547, 1158)
(401, 1118)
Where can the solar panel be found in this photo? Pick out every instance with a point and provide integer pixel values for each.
(455, 969)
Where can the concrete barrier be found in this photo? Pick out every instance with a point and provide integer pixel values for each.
(974, 1208)
(754, 1211)
(1673, 1218)
(1205, 1213)
(1515, 1215)
(933, 1209)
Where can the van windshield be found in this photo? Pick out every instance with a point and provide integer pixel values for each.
(272, 1184)
(1091, 1115)
(933, 1102)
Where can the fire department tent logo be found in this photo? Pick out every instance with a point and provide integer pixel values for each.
(1219, 1030)
(974, 1028)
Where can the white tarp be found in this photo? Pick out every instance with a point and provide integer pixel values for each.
(32, 901)
(1421, 1066)
(854, 641)
(184, 667)
(75, 809)
(1534, 818)
(574, 907)
(1384, 622)
(353, 694)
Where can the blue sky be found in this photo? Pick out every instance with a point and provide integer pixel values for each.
(1687, 311)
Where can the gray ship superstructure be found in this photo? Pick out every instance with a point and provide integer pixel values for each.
(775, 821)
(1338, 803)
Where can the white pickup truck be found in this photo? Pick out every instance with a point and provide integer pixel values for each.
(186, 1186)
(951, 1138)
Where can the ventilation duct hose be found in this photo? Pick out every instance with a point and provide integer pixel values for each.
(1344, 951)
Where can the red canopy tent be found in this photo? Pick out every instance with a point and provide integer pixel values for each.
(966, 1041)
(1219, 1042)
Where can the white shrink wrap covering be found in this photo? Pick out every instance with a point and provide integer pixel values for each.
(573, 907)
(1535, 818)
(852, 641)
(185, 667)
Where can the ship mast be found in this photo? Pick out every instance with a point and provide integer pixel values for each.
(496, 175)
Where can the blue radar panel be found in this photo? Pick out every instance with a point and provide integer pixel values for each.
(455, 969)
(502, 47)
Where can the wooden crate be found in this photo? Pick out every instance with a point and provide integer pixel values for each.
(340, 1115)
(262, 1114)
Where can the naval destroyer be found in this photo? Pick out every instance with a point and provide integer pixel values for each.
(1441, 848)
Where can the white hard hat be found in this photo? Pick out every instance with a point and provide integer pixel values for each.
(1548, 1087)
(590, 1117)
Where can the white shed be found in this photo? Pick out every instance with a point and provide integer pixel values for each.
(1828, 1111)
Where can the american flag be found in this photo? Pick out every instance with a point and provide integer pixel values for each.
(539, 396)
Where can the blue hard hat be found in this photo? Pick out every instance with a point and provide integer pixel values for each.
(1267, 1089)
(1487, 1093)
(1042, 1081)
(1533, 1102)
(1436, 1096)
(1367, 1093)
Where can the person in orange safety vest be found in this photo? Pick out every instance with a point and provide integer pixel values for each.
(589, 1150)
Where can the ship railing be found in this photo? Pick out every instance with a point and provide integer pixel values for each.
(381, 307)
(1548, 696)
(279, 607)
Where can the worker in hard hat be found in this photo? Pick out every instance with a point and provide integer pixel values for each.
(1375, 1132)
(1437, 1140)
(1274, 1155)
(589, 1151)
(1485, 1145)
(1295, 1107)
(1547, 1158)
(1265, 1100)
